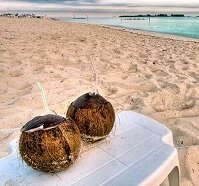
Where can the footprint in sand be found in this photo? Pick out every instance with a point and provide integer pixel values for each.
(190, 93)
(16, 62)
(183, 104)
(162, 73)
(133, 68)
(194, 75)
(9, 99)
(148, 76)
(38, 69)
(19, 85)
(139, 102)
(3, 86)
(186, 132)
(154, 69)
(164, 100)
(172, 68)
(147, 87)
(181, 77)
(2, 62)
(184, 61)
(112, 91)
(194, 66)
(104, 60)
(24, 100)
(81, 39)
(117, 84)
(16, 73)
(188, 104)
(117, 51)
(25, 91)
(172, 88)
(143, 55)
(2, 72)
(159, 103)
(143, 94)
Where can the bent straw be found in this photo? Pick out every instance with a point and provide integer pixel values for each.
(43, 98)
(96, 78)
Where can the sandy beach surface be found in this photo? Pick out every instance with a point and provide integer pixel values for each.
(153, 75)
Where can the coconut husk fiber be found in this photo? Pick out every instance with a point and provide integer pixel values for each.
(52, 148)
(93, 115)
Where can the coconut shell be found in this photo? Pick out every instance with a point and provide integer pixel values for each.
(93, 115)
(52, 148)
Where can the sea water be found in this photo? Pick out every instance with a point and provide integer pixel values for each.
(187, 26)
(182, 26)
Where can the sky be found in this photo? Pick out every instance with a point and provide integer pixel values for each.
(89, 4)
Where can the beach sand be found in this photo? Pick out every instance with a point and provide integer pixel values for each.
(153, 75)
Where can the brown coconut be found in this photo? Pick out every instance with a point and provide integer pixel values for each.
(49, 143)
(94, 116)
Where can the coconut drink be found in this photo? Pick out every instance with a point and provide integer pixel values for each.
(49, 143)
(94, 116)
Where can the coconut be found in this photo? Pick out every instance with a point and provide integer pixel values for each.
(49, 143)
(94, 116)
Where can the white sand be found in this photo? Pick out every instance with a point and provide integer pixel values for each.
(156, 76)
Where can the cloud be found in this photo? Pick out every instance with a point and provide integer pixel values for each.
(67, 4)
(112, 2)
(151, 2)
(52, 1)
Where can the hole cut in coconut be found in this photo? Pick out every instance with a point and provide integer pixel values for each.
(42, 123)
(50, 143)
(89, 100)
(94, 116)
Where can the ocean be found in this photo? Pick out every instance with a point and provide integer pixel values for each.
(187, 26)
(180, 26)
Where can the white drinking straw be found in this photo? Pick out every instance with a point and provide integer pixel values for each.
(43, 98)
(96, 78)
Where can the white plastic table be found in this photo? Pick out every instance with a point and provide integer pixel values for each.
(139, 152)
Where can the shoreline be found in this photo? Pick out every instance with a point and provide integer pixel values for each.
(142, 32)
(155, 34)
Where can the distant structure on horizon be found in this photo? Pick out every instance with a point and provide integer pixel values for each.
(156, 15)
(177, 15)
(74, 17)
(26, 16)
